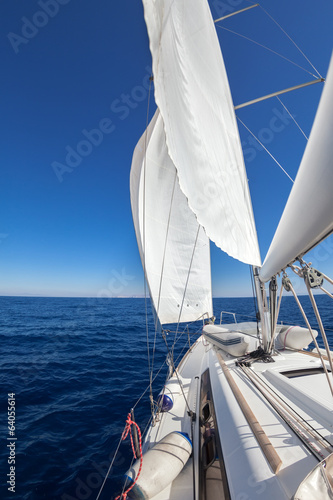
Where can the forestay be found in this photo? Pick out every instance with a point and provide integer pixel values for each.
(193, 96)
(308, 216)
(173, 247)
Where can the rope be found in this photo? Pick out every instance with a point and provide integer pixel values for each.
(128, 430)
(251, 357)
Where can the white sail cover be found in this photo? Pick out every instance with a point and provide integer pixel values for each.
(193, 96)
(308, 216)
(173, 247)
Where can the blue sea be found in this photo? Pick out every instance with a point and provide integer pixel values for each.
(74, 368)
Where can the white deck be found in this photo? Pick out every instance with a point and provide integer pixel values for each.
(248, 471)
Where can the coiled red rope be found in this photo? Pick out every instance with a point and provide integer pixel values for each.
(128, 429)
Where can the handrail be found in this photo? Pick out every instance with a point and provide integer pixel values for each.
(227, 312)
(265, 444)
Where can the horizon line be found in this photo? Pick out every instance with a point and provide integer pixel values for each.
(124, 296)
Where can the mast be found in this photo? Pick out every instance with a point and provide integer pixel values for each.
(263, 309)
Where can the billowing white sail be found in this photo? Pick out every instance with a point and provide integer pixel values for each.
(173, 247)
(193, 96)
(308, 216)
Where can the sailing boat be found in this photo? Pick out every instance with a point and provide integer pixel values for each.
(248, 412)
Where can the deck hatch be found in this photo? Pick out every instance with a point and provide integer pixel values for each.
(303, 372)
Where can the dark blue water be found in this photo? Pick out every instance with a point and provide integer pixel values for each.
(76, 367)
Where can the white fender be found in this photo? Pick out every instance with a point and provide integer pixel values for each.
(294, 337)
(160, 466)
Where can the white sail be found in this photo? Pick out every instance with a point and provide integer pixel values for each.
(173, 247)
(194, 99)
(308, 216)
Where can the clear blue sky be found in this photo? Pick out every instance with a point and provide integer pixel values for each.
(71, 67)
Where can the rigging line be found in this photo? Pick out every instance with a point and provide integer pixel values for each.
(327, 278)
(198, 332)
(292, 41)
(181, 352)
(162, 271)
(276, 318)
(144, 228)
(158, 372)
(166, 241)
(187, 279)
(254, 299)
(175, 372)
(292, 117)
(110, 467)
(319, 321)
(153, 354)
(327, 293)
(312, 335)
(195, 320)
(148, 386)
(261, 144)
(158, 410)
(184, 347)
(269, 49)
(278, 402)
(288, 407)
